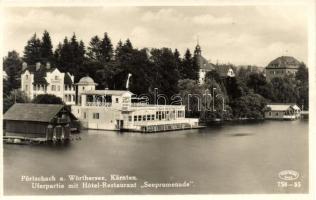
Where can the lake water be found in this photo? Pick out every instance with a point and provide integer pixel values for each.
(234, 158)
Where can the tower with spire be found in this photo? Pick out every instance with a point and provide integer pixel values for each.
(198, 50)
(203, 65)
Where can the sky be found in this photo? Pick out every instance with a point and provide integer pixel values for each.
(241, 35)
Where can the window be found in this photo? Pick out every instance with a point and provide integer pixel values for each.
(144, 117)
(270, 113)
(135, 118)
(130, 118)
(84, 115)
(148, 117)
(58, 88)
(116, 100)
(158, 115)
(56, 77)
(180, 114)
(78, 110)
(53, 87)
(139, 118)
(95, 115)
(277, 114)
(27, 77)
(152, 117)
(82, 88)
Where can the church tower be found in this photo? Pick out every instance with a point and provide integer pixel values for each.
(198, 50)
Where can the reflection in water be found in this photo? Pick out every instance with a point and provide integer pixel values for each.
(240, 134)
(231, 158)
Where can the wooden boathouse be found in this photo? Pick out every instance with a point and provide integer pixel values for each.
(49, 121)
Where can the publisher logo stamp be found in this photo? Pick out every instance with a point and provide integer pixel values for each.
(289, 178)
(288, 175)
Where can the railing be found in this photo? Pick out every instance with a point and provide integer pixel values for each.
(103, 104)
(155, 105)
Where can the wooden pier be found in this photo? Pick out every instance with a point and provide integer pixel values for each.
(31, 140)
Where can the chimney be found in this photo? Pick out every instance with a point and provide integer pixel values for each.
(38, 65)
(24, 66)
(47, 65)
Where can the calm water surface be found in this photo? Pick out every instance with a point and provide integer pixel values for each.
(235, 158)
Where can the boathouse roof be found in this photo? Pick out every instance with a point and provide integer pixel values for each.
(33, 112)
(282, 107)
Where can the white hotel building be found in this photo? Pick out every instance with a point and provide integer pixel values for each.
(116, 110)
(38, 79)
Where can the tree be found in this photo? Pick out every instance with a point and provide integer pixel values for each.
(32, 51)
(178, 60)
(213, 75)
(302, 73)
(250, 106)
(70, 57)
(284, 90)
(15, 96)
(259, 84)
(106, 49)
(94, 48)
(302, 86)
(165, 64)
(192, 95)
(12, 66)
(46, 48)
(187, 64)
(234, 88)
(216, 106)
(47, 99)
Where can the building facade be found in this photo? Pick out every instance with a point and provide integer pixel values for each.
(120, 110)
(39, 79)
(281, 67)
(282, 111)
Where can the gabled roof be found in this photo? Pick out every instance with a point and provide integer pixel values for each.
(282, 107)
(41, 74)
(33, 112)
(32, 69)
